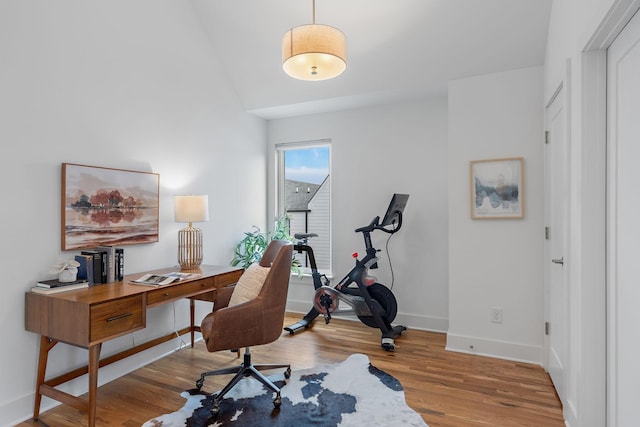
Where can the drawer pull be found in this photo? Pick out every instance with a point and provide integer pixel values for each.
(119, 316)
(165, 294)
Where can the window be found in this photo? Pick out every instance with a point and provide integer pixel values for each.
(304, 194)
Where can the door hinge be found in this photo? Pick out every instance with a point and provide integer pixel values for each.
(546, 328)
(547, 233)
(546, 136)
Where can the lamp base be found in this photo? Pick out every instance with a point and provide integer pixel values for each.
(189, 248)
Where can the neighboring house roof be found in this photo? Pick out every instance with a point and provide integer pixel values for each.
(298, 194)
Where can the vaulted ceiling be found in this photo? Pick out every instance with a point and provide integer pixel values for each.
(396, 49)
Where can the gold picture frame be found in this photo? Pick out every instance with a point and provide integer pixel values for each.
(497, 188)
(107, 206)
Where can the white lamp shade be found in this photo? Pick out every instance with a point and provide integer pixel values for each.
(314, 52)
(191, 208)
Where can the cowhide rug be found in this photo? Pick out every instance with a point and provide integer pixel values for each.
(351, 393)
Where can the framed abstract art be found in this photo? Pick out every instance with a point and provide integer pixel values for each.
(497, 188)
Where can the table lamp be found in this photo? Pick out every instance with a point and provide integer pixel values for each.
(190, 209)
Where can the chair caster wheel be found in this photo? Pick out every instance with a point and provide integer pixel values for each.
(287, 373)
(199, 384)
(215, 409)
(277, 402)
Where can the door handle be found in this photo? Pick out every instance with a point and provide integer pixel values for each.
(558, 261)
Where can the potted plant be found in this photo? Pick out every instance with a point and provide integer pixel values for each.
(250, 249)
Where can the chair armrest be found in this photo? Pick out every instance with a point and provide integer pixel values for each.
(222, 297)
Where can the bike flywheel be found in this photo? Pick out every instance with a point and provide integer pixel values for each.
(387, 301)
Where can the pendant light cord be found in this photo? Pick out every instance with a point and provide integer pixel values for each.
(314, 11)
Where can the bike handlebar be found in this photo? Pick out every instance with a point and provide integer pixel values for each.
(375, 225)
(369, 228)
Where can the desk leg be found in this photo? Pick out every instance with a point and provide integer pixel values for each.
(94, 364)
(46, 344)
(192, 313)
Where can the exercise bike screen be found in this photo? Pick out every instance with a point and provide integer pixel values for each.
(396, 206)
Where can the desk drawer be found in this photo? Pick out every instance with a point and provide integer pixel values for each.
(114, 318)
(180, 290)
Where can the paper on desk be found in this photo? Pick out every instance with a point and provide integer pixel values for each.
(163, 279)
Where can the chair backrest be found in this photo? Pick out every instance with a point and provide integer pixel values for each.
(260, 320)
(272, 251)
(274, 291)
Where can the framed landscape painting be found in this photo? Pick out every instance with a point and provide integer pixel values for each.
(497, 188)
(105, 206)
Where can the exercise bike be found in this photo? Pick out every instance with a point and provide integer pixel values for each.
(373, 303)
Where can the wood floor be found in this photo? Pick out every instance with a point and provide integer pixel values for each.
(448, 389)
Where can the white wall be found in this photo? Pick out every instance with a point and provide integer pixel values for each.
(375, 152)
(571, 24)
(121, 84)
(496, 263)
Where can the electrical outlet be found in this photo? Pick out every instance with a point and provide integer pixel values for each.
(496, 315)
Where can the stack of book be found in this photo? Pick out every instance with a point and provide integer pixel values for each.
(54, 285)
(103, 264)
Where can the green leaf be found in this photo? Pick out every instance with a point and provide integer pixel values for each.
(251, 248)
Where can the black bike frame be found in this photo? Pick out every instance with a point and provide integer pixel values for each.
(356, 274)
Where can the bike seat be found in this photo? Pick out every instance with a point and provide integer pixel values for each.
(301, 236)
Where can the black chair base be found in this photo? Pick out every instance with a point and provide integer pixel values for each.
(246, 369)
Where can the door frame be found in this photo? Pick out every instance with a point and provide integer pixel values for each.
(596, 366)
(616, 232)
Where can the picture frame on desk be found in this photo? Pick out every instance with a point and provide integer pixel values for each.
(107, 206)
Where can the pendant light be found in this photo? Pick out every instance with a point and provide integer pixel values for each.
(314, 51)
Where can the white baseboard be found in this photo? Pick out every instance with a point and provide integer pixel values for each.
(570, 418)
(13, 412)
(411, 321)
(462, 344)
(498, 349)
(21, 409)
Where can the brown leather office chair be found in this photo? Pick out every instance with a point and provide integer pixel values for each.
(254, 322)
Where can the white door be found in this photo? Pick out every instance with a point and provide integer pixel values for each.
(623, 245)
(557, 197)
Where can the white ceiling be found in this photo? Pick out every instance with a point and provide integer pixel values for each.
(396, 49)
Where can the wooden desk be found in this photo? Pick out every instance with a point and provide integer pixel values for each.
(88, 317)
